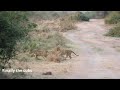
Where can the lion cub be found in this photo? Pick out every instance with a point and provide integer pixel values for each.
(65, 52)
(37, 53)
(54, 56)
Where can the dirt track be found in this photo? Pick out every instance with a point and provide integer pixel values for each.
(98, 56)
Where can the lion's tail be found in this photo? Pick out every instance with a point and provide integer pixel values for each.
(74, 53)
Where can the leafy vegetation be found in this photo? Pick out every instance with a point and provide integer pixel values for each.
(42, 42)
(14, 26)
(68, 22)
(19, 35)
(113, 18)
(79, 16)
(114, 32)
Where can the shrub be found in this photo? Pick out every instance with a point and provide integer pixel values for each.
(40, 42)
(14, 26)
(79, 16)
(66, 25)
(83, 17)
(114, 32)
(74, 16)
(113, 18)
(90, 14)
(68, 22)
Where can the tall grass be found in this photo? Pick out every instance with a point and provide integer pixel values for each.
(66, 25)
(114, 32)
(44, 37)
(113, 18)
(42, 42)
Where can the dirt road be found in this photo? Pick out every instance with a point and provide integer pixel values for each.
(99, 55)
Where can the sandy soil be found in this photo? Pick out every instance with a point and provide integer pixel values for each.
(98, 55)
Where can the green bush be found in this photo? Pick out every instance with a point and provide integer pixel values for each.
(84, 17)
(114, 32)
(78, 16)
(91, 14)
(39, 42)
(14, 26)
(113, 18)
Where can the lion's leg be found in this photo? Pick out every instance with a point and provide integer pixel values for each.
(70, 56)
(37, 57)
(44, 57)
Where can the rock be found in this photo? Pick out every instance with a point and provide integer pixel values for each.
(47, 73)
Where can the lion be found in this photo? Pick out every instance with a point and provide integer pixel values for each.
(68, 53)
(54, 56)
(37, 53)
(65, 52)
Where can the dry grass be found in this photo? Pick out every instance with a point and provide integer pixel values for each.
(113, 18)
(66, 25)
(53, 57)
(61, 24)
(115, 31)
(56, 54)
(45, 38)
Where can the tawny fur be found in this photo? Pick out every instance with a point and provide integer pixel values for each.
(65, 52)
(42, 53)
(55, 57)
